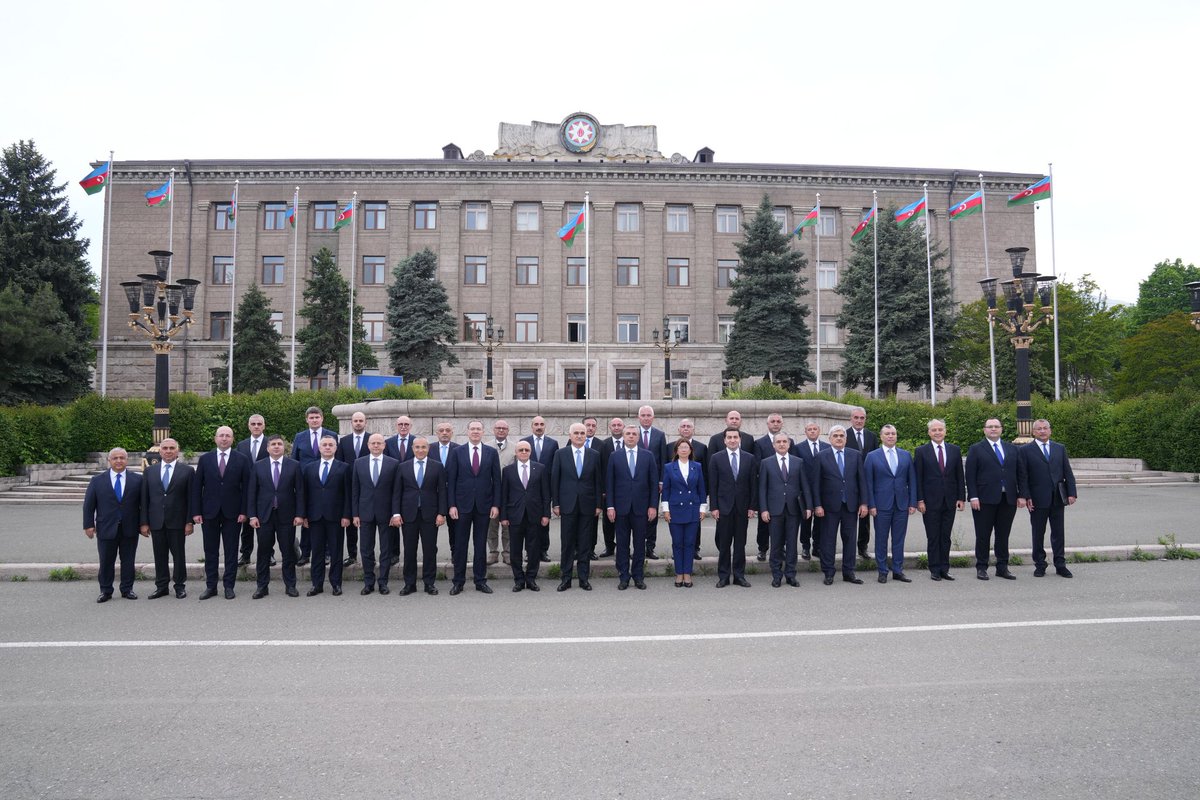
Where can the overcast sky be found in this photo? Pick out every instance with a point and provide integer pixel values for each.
(1104, 90)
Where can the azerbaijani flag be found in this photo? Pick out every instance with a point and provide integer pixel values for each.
(97, 179)
(292, 215)
(160, 196)
(972, 205)
(863, 226)
(232, 212)
(910, 212)
(1031, 194)
(567, 232)
(810, 219)
(343, 219)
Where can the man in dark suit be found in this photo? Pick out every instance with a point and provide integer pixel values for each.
(497, 535)
(306, 448)
(841, 501)
(941, 493)
(632, 491)
(399, 447)
(655, 440)
(808, 450)
(276, 506)
(254, 447)
(864, 441)
(993, 490)
(524, 506)
(733, 419)
(764, 448)
(423, 507)
(732, 501)
(375, 509)
(112, 515)
(473, 491)
(784, 498)
(576, 495)
(1047, 485)
(166, 493)
(219, 491)
(327, 512)
(544, 448)
(352, 447)
(616, 430)
(891, 498)
(592, 442)
(687, 432)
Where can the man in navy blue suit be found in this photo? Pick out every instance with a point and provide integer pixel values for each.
(352, 447)
(219, 493)
(993, 489)
(306, 450)
(655, 440)
(473, 490)
(276, 506)
(632, 490)
(327, 513)
(784, 498)
(841, 502)
(941, 493)
(375, 506)
(764, 448)
(576, 492)
(166, 495)
(544, 448)
(254, 447)
(864, 441)
(112, 515)
(399, 447)
(808, 450)
(524, 507)
(423, 507)
(1047, 485)
(891, 498)
(732, 501)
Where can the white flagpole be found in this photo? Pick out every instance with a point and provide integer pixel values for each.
(104, 280)
(587, 295)
(295, 281)
(1054, 285)
(875, 233)
(929, 278)
(987, 271)
(171, 222)
(817, 272)
(233, 286)
(353, 255)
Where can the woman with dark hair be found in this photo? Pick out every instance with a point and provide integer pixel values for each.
(683, 506)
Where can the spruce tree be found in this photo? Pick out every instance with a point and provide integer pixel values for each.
(258, 361)
(324, 338)
(420, 324)
(770, 338)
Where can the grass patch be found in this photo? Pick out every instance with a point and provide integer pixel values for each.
(960, 561)
(1015, 560)
(19, 578)
(1176, 552)
(138, 575)
(65, 574)
(1086, 558)
(1138, 554)
(554, 571)
(440, 575)
(923, 561)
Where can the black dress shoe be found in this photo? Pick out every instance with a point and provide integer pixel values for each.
(519, 586)
(456, 589)
(678, 584)
(592, 556)
(349, 562)
(901, 577)
(806, 554)
(292, 591)
(981, 574)
(607, 553)
(432, 590)
(740, 581)
(1008, 576)
(651, 555)
(851, 578)
(862, 553)
(243, 561)
(259, 594)
(688, 584)
(1039, 572)
(585, 585)
(883, 577)
(300, 562)
(104, 598)
(776, 583)
(762, 555)
(946, 576)
(564, 585)
(181, 593)
(368, 589)
(130, 595)
(272, 561)
(157, 593)
(314, 592)
(1062, 572)
(793, 582)
(532, 586)
(829, 580)
(545, 558)
(697, 557)
(229, 594)
(722, 583)
(623, 585)
(933, 576)
(640, 584)
(337, 591)
(207, 593)
(483, 587)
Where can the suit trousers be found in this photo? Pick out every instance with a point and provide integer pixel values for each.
(424, 531)
(810, 537)
(939, 525)
(685, 538)
(1058, 540)
(270, 531)
(731, 544)
(498, 537)
(109, 549)
(327, 537)
(844, 520)
(221, 533)
(169, 543)
(891, 525)
(783, 530)
(630, 530)
(368, 532)
(989, 517)
(864, 532)
(523, 536)
(763, 539)
(544, 538)
(652, 530)
(248, 537)
(351, 541)
(577, 534)
(470, 530)
(610, 533)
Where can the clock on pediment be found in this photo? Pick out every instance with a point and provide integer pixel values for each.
(579, 132)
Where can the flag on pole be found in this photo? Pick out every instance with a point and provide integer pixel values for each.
(863, 226)
(232, 212)
(910, 212)
(1032, 194)
(97, 179)
(291, 216)
(810, 219)
(972, 205)
(567, 232)
(160, 196)
(344, 218)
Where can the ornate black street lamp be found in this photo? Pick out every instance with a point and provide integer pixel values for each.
(489, 339)
(1194, 290)
(667, 345)
(1021, 319)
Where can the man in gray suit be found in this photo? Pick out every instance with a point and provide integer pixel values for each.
(166, 488)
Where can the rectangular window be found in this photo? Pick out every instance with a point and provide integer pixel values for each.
(474, 326)
(827, 224)
(831, 383)
(627, 272)
(374, 270)
(473, 383)
(679, 384)
(475, 270)
(679, 219)
(526, 328)
(275, 216)
(628, 218)
(373, 323)
(576, 327)
(576, 271)
(272, 271)
(729, 219)
(324, 216)
(319, 381)
(678, 324)
(571, 210)
(277, 321)
(724, 328)
(425, 216)
(525, 384)
(575, 384)
(628, 328)
(829, 330)
(528, 216)
(629, 384)
(218, 325)
(222, 270)
(527, 271)
(677, 272)
(780, 215)
(374, 216)
(726, 273)
(477, 216)
(222, 222)
(827, 275)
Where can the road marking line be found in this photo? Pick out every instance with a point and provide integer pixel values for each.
(675, 637)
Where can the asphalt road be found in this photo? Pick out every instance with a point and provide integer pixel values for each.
(1041, 688)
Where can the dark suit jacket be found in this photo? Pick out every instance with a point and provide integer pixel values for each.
(684, 496)
(214, 496)
(549, 448)
(171, 509)
(375, 502)
(1039, 479)
(775, 495)
(263, 492)
(391, 447)
(764, 448)
(804, 450)
(888, 491)
(631, 494)
(716, 442)
(870, 440)
(345, 451)
(606, 450)
(517, 502)
(573, 494)
(244, 447)
(302, 445)
(660, 448)
(329, 501)
(435, 451)
(984, 473)
(468, 492)
(727, 494)
(430, 497)
(102, 511)
(831, 483)
(935, 489)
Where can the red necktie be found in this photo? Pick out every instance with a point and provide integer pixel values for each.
(221, 466)
(646, 439)
(475, 460)
(941, 459)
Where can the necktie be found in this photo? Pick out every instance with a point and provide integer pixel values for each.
(117, 488)
(400, 440)
(999, 454)
(537, 448)
(221, 466)
(275, 476)
(578, 463)
(646, 439)
(357, 444)
(324, 472)
(783, 468)
(813, 445)
(525, 474)
(841, 464)
(166, 481)
(254, 449)
(632, 464)
(374, 471)
(445, 448)
(733, 463)
(475, 459)
(314, 442)
(420, 473)
(892, 459)
(860, 439)
(941, 459)
(1046, 450)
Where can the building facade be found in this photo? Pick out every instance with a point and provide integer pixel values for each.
(660, 249)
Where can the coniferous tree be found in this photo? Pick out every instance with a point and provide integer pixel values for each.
(420, 324)
(42, 264)
(770, 338)
(324, 339)
(258, 361)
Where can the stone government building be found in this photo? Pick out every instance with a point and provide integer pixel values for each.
(663, 233)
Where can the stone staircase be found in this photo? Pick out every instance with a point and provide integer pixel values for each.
(69, 489)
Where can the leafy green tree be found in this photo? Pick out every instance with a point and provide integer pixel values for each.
(39, 247)
(1161, 357)
(1163, 292)
(770, 338)
(326, 308)
(258, 361)
(903, 310)
(420, 324)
